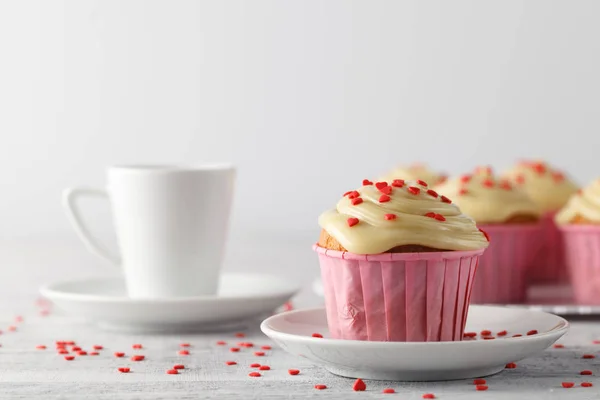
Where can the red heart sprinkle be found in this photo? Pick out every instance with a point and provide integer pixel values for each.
(234, 349)
(69, 358)
(388, 391)
(124, 369)
(479, 382)
(432, 193)
(366, 182)
(293, 371)
(354, 194)
(359, 386)
(63, 351)
(40, 347)
(518, 334)
(430, 215)
(185, 345)
(97, 347)
(82, 353)
(586, 384)
(317, 335)
(558, 176)
(185, 352)
(76, 348)
(347, 193)
(386, 190)
(264, 368)
(440, 217)
(470, 334)
(240, 335)
(178, 366)
(465, 178)
(398, 183)
(246, 344)
(259, 353)
(511, 366)
(422, 183)
(172, 372)
(429, 396)
(254, 374)
(488, 183)
(356, 201)
(384, 198)
(481, 387)
(462, 192)
(352, 221)
(539, 168)
(559, 346)
(265, 347)
(221, 343)
(485, 332)
(502, 333)
(390, 217)
(505, 185)
(94, 353)
(568, 385)
(320, 387)
(585, 372)
(381, 185)
(588, 356)
(230, 363)
(12, 328)
(137, 346)
(254, 365)
(414, 190)
(137, 358)
(532, 332)
(119, 354)
(489, 338)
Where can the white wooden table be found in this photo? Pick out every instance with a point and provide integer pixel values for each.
(27, 372)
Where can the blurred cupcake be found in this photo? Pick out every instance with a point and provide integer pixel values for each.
(397, 262)
(415, 172)
(579, 222)
(550, 190)
(510, 218)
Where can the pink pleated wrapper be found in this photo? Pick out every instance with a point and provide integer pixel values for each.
(582, 256)
(401, 297)
(502, 274)
(549, 266)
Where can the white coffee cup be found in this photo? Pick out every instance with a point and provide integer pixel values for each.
(171, 224)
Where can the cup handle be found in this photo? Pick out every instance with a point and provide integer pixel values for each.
(70, 198)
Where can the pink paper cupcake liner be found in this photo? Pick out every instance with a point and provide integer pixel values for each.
(502, 274)
(582, 256)
(412, 297)
(549, 266)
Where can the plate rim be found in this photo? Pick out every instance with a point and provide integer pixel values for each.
(272, 333)
(49, 291)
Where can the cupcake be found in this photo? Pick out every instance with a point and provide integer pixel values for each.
(579, 222)
(510, 218)
(397, 263)
(415, 172)
(550, 189)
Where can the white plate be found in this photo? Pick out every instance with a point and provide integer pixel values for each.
(418, 361)
(241, 297)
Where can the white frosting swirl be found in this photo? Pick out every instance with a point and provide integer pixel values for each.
(549, 188)
(375, 219)
(584, 204)
(487, 199)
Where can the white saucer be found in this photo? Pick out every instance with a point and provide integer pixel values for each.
(241, 297)
(418, 361)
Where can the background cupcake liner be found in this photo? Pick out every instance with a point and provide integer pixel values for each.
(549, 266)
(582, 256)
(414, 297)
(502, 273)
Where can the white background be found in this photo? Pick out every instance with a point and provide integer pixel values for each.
(306, 97)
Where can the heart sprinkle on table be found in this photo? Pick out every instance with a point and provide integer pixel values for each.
(588, 356)
(124, 370)
(586, 384)
(264, 368)
(532, 332)
(240, 335)
(293, 371)
(137, 346)
(97, 347)
(511, 366)
(254, 374)
(230, 363)
(559, 346)
(259, 353)
(320, 387)
(479, 382)
(178, 366)
(187, 353)
(485, 332)
(94, 353)
(221, 343)
(359, 385)
(172, 372)
(388, 391)
(69, 358)
(481, 387)
(568, 385)
(40, 347)
(317, 335)
(82, 353)
(137, 358)
(234, 349)
(189, 345)
(254, 365)
(585, 372)
(265, 347)
(470, 334)
(119, 354)
(502, 333)
(429, 396)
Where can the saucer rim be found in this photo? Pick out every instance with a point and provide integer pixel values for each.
(272, 333)
(50, 291)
